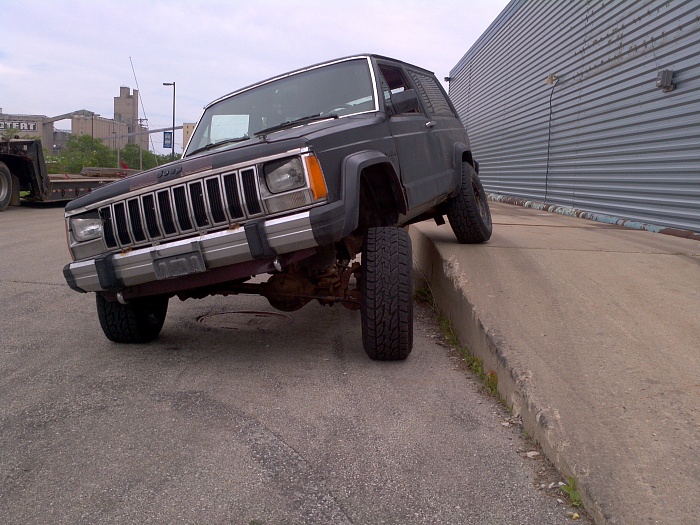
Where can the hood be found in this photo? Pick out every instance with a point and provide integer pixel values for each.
(274, 143)
(205, 161)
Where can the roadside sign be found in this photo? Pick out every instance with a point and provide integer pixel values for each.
(167, 139)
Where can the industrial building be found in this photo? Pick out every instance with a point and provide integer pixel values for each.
(125, 128)
(589, 105)
(187, 130)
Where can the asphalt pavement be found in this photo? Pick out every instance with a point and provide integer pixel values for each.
(593, 332)
(239, 414)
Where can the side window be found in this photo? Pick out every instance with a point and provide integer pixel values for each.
(393, 81)
(432, 96)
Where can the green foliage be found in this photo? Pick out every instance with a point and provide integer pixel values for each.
(82, 151)
(475, 364)
(130, 156)
(570, 490)
(9, 133)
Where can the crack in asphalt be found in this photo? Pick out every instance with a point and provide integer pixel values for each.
(33, 282)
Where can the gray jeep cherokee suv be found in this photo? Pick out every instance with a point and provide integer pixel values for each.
(292, 177)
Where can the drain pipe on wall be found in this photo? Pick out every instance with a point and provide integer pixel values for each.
(553, 80)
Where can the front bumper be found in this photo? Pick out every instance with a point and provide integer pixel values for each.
(259, 240)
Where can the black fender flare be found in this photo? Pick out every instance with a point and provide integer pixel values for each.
(338, 219)
(461, 150)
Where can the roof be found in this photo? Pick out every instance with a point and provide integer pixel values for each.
(313, 66)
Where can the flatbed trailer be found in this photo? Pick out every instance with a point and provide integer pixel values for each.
(23, 169)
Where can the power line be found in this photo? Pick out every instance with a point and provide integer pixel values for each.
(143, 108)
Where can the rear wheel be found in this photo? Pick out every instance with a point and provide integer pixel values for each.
(138, 321)
(5, 186)
(387, 294)
(468, 211)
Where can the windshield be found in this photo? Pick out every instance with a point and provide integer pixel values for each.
(335, 90)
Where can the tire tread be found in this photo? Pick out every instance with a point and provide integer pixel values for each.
(468, 223)
(387, 294)
(135, 322)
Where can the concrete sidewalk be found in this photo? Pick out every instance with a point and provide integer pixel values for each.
(594, 333)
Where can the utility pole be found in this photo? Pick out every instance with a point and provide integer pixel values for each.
(92, 131)
(172, 140)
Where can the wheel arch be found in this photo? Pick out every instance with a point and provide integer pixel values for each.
(462, 153)
(371, 184)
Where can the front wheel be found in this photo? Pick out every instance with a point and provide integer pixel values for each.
(138, 321)
(387, 294)
(468, 211)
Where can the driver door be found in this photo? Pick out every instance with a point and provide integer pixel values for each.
(425, 172)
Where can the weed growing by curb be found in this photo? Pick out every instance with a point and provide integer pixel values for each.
(475, 364)
(570, 490)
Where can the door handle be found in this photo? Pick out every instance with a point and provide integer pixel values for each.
(430, 124)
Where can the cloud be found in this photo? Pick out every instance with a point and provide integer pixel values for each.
(76, 54)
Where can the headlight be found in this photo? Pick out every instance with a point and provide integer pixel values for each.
(86, 229)
(284, 175)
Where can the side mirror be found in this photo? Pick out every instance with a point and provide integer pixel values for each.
(405, 101)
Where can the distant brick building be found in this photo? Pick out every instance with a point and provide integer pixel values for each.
(187, 130)
(114, 133)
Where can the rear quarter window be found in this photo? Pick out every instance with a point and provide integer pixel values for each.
(432, 96)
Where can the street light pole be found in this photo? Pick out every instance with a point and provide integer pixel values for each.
(172, 138)
(92, 132)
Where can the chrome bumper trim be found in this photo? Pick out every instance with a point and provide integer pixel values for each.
(224, 248)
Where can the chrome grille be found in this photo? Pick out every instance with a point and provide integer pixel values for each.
(182, 209)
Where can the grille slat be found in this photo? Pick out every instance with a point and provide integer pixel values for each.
(250, 191)
(233, 200)
(149, 211)
(216, 205)
(108, 230)
(182, 209)
(166, 212)
(198, 207)
(122, 228)
(135, 220)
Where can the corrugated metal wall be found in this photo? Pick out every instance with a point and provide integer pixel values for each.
(601, 137)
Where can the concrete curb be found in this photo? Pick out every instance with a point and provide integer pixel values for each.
(449, 292)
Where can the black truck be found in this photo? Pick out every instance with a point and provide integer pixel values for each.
(23, 172)
(294, 177)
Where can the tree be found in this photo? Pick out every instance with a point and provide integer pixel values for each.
(9, 133)
(131, 155)
(82, 151)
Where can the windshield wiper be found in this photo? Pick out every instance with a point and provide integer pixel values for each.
(220, 143)
(296, 121)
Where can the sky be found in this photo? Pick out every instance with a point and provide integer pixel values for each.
(58, 56)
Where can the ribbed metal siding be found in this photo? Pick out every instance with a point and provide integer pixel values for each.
(603, 137)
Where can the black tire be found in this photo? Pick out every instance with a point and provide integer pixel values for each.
(387, 294)
(468, 211)
(5, 186)
(138, 321)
